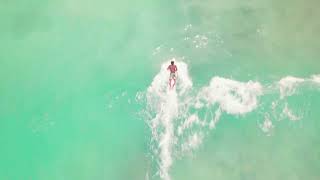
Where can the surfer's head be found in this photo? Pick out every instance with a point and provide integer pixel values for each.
(172, 62)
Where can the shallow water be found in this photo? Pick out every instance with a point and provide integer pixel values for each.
(77, 99)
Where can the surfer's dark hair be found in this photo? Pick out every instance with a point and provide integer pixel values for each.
(172, 62)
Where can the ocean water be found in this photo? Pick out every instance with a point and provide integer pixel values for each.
(84, 90)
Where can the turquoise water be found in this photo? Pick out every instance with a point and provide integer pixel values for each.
(75, 77)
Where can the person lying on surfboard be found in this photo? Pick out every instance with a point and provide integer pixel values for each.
(173, 69)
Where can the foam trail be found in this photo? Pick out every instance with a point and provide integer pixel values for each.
(164, 103)
(170, 109)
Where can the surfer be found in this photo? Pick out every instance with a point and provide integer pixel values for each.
(173, 69)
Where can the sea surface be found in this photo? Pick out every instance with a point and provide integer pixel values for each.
(84, 90)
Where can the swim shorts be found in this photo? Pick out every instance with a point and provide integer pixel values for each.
(172, 75)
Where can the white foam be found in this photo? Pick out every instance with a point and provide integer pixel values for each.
(200, 41)
(216, 119)
(267, 125)
(288, 113)
(233, 97)
(164, 103)
(193, 119)
(316, 78)
(288, 85)
(193, 142)
(173, 114)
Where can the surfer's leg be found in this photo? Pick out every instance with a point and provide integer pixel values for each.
(174, 82)
(174, 77)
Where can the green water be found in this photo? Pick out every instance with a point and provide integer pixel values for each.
(70, 71)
